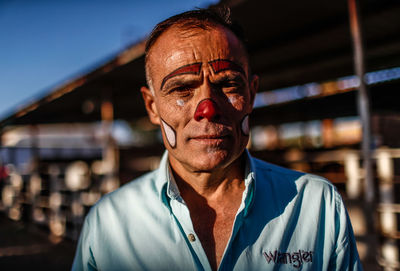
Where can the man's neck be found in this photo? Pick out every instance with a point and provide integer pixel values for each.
(210, 184)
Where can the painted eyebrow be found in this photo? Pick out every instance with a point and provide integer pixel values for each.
(231, 77)
(220, 65)
(193, 68)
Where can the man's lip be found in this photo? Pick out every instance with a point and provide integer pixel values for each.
(210, 136)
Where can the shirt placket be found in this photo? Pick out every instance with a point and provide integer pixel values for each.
(238, 222)
(182, 216)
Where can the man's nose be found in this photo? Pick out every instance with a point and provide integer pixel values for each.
(206, 108)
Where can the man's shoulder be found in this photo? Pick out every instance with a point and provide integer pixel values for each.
(142, 184)
(284, 190)
(282, 176)
(134, 193)
(263, 166)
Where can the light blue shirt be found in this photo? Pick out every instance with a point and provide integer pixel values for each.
(287, 220)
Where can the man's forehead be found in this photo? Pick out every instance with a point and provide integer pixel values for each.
(218, 48)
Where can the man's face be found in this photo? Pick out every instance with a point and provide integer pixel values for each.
(202, 96)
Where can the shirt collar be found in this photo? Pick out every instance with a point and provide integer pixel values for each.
(162, 177)
(168, 189)
(250, 183)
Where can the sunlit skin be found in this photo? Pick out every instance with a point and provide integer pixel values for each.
(206, 159)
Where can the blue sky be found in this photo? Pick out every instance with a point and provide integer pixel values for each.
(43, 43)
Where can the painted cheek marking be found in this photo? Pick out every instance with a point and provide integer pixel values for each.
(220, 65)
(194, 68)
(245, 125)
(169, 134)
(232, 100)
(180, 102)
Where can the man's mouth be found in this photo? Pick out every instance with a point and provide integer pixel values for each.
(210, 135)
(210, 139)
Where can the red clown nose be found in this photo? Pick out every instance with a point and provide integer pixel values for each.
(206, 109)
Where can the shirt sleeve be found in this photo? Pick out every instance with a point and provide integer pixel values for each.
(84, 260)
(345, 255)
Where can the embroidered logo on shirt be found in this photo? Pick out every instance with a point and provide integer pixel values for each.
(294, 258)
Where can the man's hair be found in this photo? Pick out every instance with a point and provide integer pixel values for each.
(199, 18)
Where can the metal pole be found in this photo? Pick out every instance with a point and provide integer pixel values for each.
(362, 101)
(364, 113)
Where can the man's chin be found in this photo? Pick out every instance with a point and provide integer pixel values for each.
(210, 160)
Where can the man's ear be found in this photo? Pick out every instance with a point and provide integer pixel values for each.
(150, 104)
(253, 88)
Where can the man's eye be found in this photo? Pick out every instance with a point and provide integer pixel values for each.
(231, 86)
(182, 91)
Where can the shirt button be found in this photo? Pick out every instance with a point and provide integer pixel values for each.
(191, 237)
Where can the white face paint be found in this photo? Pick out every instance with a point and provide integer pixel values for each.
(245, 125)
(180, 102)
(170, 134)
(232, 100)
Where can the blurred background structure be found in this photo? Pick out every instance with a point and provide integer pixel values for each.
(318, 61)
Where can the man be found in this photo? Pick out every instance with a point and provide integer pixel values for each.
(210, 205)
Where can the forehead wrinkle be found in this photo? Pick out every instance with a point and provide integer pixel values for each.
(193, 68)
